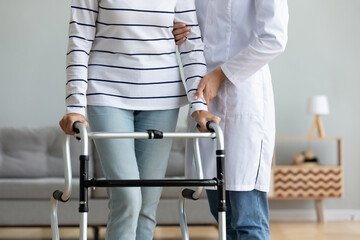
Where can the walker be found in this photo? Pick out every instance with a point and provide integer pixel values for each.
(83, 136)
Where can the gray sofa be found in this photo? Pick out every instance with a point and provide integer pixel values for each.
(31, 168)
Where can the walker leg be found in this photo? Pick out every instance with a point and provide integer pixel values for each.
(83, 226)
(190, 194)
(54, 220)
(83, 203)
(182, 215)
(222, 212)
(221, 192)
(222, 225)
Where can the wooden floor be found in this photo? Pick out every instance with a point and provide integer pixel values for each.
(279, 231)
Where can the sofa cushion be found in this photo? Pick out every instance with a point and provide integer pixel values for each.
(31, 152)
(41, 188)
(176, 165)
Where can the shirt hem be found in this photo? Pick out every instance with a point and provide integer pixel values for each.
(140, 108)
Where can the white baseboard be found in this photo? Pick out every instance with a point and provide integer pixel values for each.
(310, 215)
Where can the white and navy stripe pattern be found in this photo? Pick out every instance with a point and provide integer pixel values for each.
(122, 54)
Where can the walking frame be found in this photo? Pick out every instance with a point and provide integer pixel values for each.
(83, 136)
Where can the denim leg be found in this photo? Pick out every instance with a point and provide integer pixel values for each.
(118, 162)
(212, 198)
(152, 158)
(248, 213)
(132, 210)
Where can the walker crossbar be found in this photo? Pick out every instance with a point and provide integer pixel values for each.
(151, 183)
(143, 135)
(85, 183)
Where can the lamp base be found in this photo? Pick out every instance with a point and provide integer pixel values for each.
(317, 123)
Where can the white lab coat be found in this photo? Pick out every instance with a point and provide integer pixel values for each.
(243, 36)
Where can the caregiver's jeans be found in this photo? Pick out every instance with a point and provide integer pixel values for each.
(132, 209)
(247, 214)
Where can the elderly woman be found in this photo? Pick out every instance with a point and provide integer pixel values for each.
(122, 69)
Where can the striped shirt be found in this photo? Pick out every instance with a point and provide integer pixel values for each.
(121, 53)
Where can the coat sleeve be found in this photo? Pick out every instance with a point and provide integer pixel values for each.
(191, 53)
(82, 30)
(271, 22)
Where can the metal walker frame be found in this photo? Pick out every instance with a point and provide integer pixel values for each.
(85, 183)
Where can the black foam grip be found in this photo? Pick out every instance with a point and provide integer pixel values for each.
(188, 193)
(208, 126)
(76, 130)
(57, 195)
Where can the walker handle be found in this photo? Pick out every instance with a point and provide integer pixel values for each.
(188, 193)
(75, 129)
(208, 126)
(58, 196)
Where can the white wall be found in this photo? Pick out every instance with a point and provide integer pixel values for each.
(32, 61)
(322, 57)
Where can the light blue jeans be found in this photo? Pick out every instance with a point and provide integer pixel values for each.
(132, 209)
(247, 214)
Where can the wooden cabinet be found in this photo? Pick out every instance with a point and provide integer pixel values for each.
(308, 181)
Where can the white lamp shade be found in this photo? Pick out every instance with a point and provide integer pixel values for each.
(318, 105)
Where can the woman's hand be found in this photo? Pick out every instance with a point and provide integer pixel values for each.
(210, 84)
(202, 117)
(180, 32)
(66, 123)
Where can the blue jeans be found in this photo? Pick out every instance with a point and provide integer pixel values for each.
(132, 209)
(247, 214)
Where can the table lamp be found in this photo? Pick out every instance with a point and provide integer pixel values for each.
(318, 105)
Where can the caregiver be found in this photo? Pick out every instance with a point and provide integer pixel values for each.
(241, 37)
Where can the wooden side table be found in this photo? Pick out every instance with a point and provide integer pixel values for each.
(308, 182)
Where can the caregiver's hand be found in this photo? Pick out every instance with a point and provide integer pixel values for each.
(180, 32)
(210, 84)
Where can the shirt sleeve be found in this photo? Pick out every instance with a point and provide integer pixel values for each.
(271, 22)
(191, 53)
(82, 30)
